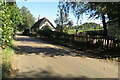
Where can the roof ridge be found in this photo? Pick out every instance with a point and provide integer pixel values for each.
(41, 21)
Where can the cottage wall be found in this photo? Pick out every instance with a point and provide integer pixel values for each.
(47, 23)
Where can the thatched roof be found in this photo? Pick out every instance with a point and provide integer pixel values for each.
(41, 22)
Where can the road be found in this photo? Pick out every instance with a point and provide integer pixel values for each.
(0, 63)
(40, 59)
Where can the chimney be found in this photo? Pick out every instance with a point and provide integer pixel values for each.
(38, 17)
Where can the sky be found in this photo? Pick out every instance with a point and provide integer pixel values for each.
(48, 10)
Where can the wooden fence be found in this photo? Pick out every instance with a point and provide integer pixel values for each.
(102, 42)
(94, 39)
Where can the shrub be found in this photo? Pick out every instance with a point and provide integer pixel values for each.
(46, 33)
(26, 32)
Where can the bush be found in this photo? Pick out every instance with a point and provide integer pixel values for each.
(47, 33)
(26, 32)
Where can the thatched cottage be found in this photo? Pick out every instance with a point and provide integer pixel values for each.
(43, 24)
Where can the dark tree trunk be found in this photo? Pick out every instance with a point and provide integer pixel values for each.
(61, 28)
(104, 25)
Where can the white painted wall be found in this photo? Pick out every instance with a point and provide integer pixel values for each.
(47, 23)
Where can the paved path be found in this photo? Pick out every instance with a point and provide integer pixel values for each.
(39, 59)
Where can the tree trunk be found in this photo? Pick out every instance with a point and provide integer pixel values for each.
(61, 28)
(104, 25)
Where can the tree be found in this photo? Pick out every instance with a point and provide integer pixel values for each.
(91, 25)
(101, 10)
(10, 20)
(114, 12)
(62, 16)
(70, 23)
(96, 10)
(15, 15)
(27, 19)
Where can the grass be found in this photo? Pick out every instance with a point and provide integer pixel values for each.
(7, 55)
(72, 31)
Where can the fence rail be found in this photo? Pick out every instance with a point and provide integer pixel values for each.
(102, 42)
(94, 39)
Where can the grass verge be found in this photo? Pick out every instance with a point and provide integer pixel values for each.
(73, 31)
(7, 55)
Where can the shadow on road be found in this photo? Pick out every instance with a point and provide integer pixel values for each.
(31, 39)
(51, 52)
(49, 75)
(48, 51)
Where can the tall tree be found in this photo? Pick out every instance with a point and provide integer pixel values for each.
(62, 19)
(27, 19)
(106, 10)
(15, 15)
(91, 25)
(10, 19)
(113, 11)
(96, 10)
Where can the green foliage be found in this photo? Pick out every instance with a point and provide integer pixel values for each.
(7, 55)
(47, 33)
(62, 16)
(113, 11)
(84, 27)
(7, 29)
(91, 25)
(11, 18)
(26, 32)
(104, 11)
(73, 31)
(15, 16)
(114, 31)
(59, 28)
(70, 23)
(27, 19)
